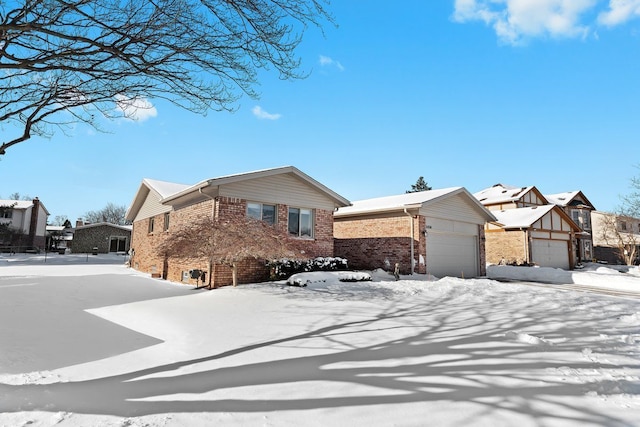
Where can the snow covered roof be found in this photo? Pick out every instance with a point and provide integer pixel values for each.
(526, 217)
(406, 201)
(569, 198)
(164, 188)
(170, 193)
(501, 193)
(227, 179)
(16, 204)
(521, 217)
(21, 204)
(100, 224)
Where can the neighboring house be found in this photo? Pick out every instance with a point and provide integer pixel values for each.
(60, 237)
(579, 208)
(102, 237)
(540, 235)
(615, 238)
(529, 230)
(281, 195)
(24, 225)
(502, 197)
(438, 232)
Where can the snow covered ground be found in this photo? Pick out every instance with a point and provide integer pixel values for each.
(413, 352)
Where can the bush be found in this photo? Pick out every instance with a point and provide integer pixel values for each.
(285, 268)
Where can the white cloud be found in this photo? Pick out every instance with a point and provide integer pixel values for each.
(138, 109)
(326, 61)
(262, 114)
(620, 11)
(515, 21)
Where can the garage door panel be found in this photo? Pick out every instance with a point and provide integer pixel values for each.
(452, 255)
(550, 253)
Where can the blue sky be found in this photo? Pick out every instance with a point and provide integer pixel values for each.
(464, 93)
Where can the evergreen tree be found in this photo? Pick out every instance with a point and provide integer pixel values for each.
(420, 185)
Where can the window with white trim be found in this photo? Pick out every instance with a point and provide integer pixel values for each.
(6, 213)
(263, 212)
(301, 222)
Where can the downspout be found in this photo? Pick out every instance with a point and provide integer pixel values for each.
(213, 202)
(412, 255)
(213, 210)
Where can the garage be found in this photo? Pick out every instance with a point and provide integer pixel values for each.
(437, 232)
(452, 255)
(550, 253)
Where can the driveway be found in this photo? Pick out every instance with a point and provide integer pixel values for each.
(43, 322)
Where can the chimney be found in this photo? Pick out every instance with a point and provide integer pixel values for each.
(33, 224)
(79, 222)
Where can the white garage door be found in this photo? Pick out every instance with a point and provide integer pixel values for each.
(550, 253)
(452, 255)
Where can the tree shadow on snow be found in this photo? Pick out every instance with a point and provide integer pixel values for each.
(452, 350)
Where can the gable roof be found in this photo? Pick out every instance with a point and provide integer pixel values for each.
(171, 194)
(21, 204)
(164, 188)
(501, 193)
(161, 189)
(526, 217)
(212, 185)
(569, 198)
(411, 200)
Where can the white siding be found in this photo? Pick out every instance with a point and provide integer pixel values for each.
(455, 208)
(450, 226)
(278, 189)
(452, 237)
(151, 207)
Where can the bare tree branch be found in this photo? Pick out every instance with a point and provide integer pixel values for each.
(67, 61)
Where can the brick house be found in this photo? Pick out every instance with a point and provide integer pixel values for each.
(438, 232)
(529, 229)
(282, 195)
(26, 225)
(103, 236)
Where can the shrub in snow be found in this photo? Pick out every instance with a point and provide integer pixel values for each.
(285, 268)
(324, 278)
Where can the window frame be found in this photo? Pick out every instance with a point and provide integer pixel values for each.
(262, 212)
(151, 225)
(299, 232)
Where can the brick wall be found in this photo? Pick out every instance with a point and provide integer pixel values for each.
(483, 250)
(85, 239)
(147, 258)
(509, 246)
(379, 242)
